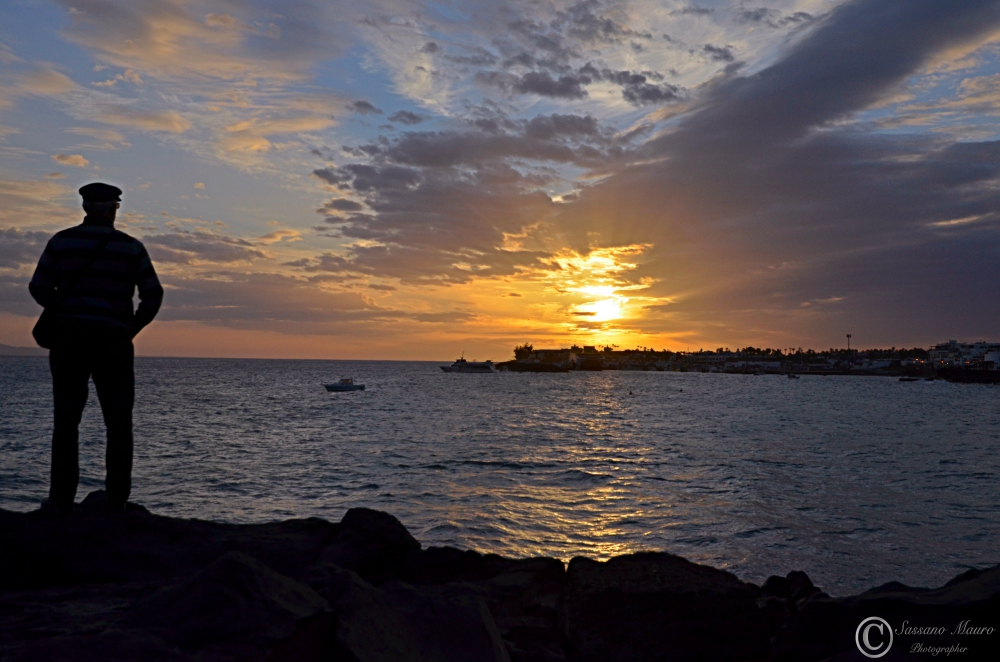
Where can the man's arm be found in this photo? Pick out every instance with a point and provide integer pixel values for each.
(43, 283)
(150, 293)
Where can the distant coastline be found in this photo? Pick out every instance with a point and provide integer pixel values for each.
(953, 361)
(11, 350)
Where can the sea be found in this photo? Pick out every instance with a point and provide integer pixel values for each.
(856, 480)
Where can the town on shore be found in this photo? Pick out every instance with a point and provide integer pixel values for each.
(979, 361)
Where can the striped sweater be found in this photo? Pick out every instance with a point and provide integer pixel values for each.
(100, 304)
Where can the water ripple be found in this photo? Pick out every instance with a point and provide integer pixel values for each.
(858, 481)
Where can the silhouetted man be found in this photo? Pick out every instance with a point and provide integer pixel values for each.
(90, 273)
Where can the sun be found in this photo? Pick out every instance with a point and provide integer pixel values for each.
(603, 310)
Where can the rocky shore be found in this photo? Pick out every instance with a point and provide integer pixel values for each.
(137, 586)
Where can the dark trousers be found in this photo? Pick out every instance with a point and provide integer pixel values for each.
(111, 367)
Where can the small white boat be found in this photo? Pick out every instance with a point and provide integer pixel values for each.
(345, 384)
(792, 375)
(461, 365)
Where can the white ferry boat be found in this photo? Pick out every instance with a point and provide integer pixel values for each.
(461, 365)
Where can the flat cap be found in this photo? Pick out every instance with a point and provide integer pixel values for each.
(99, 192)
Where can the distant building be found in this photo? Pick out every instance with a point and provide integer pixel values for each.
(968, 355)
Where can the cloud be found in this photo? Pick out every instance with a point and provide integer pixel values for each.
(210, 41)
(406, 117)
(540, 83)
(718, 53)
(48, 82)
(20, 247)
(763, 172)
(762, 169)
(268, 301)
(128, 76)
(771, 17)
(558, 138)
(200, 247)
(46, 203)
(75, 160)
(363, 107)
(278, 236)
(723, 174)
(250, 136)
(637, 87)
(693, 9)
(144, 120)
(341, 204)
(107, 139)
(587, 22)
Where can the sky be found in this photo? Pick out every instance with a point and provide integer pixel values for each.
(407, 179)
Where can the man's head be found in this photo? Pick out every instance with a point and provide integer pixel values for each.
(101, 199)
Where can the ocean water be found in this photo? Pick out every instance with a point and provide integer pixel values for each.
(856, 480)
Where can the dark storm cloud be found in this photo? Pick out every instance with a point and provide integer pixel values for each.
(838, 70)
(586, 22)
(266, 301)
(333, 176)
(406, 117)
(542, 57)
(14, 296)
(363, 107)
(198, 246)
(382, 178)
(636, 86)
(638, 91)
(478, 57)
(20, 247)
(442, 201)
(341, 204)
(718, 53)
(771, 17)
(761, 203)
(542, 84)
(552, 45)
(692, 9)
(547, 127)
(761, 174)
(445, 227)
(556, 138)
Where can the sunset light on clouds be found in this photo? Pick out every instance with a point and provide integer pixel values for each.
(405, 179)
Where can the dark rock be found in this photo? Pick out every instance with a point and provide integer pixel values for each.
(776, 587)
(523, 595)
(100, 647)
(105, 585)
(656, 606)
(97, 502)
(800, 586)
(440, 565)
(236, 598)
(95, 546)
(825, 627)
(397, 621)
(526, 599)
(369, 542)
(314, 640)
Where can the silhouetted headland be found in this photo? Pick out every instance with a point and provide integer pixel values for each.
(104, 585)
